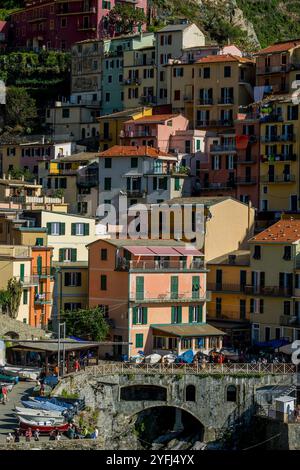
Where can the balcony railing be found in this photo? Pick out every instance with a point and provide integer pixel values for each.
(44, 298)
(205, 101)
(135, 193)
(276, 68)
(87, 181)
(160, 265)
(223, 148)
(220, 123)
(137, 133)
(249, 181)
(226, 100)
(29, 281)
(229, 185)
(44, 271)
(272, 118)
(148, 99)
(105, 137)
(278, 179)
(278, 138)
(214, 286)
(279, 158)
(269, 290)
(246, 160)
(200, 296)
(227, 314)
(132, 81)
(289, 320)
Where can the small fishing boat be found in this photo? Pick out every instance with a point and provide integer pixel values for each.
(25, 373)
(38, 412)
(37, 390)
(153, 358)
(35, 405)
(45, 427)
(38, 418)
(137, 359)
(169, 358)
(186, 357)
(9, 379)
(55, 401)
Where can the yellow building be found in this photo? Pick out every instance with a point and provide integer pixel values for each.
(280, 154)
(221, 84)
(229, 308)
(275, 282)
(111, 125)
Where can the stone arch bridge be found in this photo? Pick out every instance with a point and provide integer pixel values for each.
(219, 397)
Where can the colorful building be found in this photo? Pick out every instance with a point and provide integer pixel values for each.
(59, 24)
(274, 290)
(154, 294)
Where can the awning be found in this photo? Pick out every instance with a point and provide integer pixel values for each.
(189, 330)
(242, 142)
(139, 250)
(164, 251)
(191, 251)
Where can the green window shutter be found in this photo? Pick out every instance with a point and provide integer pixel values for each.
(176, 183)
(196, 287)
(36, 290)
(25, 297)
(179, 314)
(139, 287)
(139, 340)
(39, 242)
(62, 228)
(39, 265)
(191, 313)
(22, 271)
(73, 229)
(174, 287)
(145, 316)
(49, 230)
(86, 229)
(61, 254)
(74, 254)
(172, 314)
(134, 315)
(41, 287)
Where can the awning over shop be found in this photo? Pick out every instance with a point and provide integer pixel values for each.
(189, 330)
(162, 251)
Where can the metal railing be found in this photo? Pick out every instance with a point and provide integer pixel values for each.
(245, 180)
(289, 320)
(279, 157)
(223, 148)
(43, 298)
(269, 290)
(29, 280)
(226, 287)
(191, 369)
(200, 295)
(226, 100)
(157, 265)
(43, 271)
(288, 178)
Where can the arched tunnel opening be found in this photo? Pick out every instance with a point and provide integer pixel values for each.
(168, 427)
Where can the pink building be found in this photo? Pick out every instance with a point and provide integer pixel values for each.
(154, 294)
(58, 24)
(153, 131)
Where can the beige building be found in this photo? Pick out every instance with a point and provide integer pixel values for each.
(71, 286)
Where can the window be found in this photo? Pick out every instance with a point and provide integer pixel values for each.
(56, 228)
(139, 316)
(107, 97)
(216, 162)
(73, 279)
(134, 162)
(195, 313)
(71, 306)
(67, 254)
(39, 242)
(257, 252)
(227, 71)
(65, 113)
(80, 229)
(286, 307)
(107, 184)
(63, 22)
(139, 340)
(176, 314)
(287, 255)
(103, 282)
(218, 307)
(206, 72)
(25, 297)
(231, 393)
(103, 254)
(190, 393)
(107, 162)
(177, 95)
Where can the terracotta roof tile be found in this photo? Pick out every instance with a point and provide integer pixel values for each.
(285, 231)
(223, 58)
(133, 151)
(156, 118)
(280, 47)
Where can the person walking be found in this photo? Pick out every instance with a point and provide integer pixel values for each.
(76, 365)
(36, 435)
(28, 435)
(9, 438)
(17, 435)
(4, 393)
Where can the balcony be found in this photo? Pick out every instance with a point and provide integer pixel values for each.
(136, 193)
(278, 158)
(43, 299)
(272, 118)
(137, 133)
(227, 314)
(276, 69)
(161, 265)
(46, 271)
(141, 62)
(222, 148)
(225, 186)
(188, 98)
(273, 291)
(278, 138)
(28, 281)
(132, 81)
(105, 137)
(205, 102)
(246, 160)
(246, 181)
(289, 320)
(170, 297)
(87, 181)
(213, 286)
(221, 123)
(33, 200)
(226, 100)
(147, 100)
(278, 179)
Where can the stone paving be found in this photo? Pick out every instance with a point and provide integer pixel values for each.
(8, 421)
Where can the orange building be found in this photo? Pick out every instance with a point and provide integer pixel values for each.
(154, 294)
(41, 293)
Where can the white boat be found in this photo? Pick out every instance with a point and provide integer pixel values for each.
(169, 358)
(137, 359)
(26, 373)
(153, 358)
(29, 412)
(38, 421)
(47, 419)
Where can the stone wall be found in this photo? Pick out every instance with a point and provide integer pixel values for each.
(23, 330)
(65, 444)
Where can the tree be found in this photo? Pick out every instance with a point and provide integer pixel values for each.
(20, 109)
(12, 297)
(17, 173)
(124, 18)
(88, 324)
